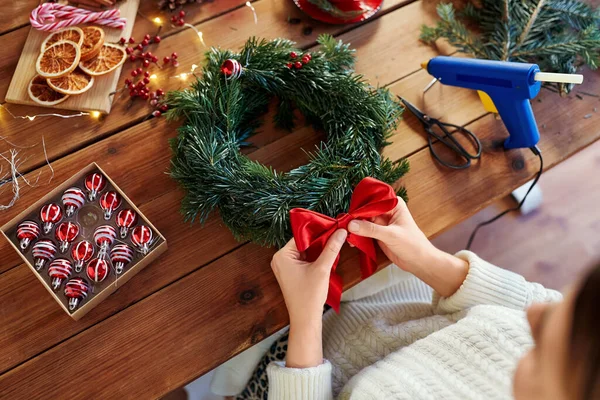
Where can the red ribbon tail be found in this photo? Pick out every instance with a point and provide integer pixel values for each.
(334, 295)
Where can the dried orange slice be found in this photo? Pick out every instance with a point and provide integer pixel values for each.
(74, 83)
(73, 34)
(110, 58)
(93, 39)
(41, 93)
(58, 60)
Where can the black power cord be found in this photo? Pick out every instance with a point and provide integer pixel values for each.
(538, 153)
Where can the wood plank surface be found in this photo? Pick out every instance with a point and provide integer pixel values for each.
(176, 316)
(63, 136)
(160, 203)
(210, 297)
(97, 97)
(15, 14)
(57, 135)
(13, 42)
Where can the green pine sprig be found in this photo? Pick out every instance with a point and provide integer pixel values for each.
(558, 35)
(219, 116)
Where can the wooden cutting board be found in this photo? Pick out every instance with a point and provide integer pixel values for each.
(95, 99)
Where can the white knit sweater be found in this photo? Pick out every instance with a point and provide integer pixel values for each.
(407, 342)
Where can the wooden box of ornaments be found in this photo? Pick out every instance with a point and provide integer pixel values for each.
(84, 240)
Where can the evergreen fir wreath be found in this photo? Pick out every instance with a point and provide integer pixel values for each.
(558, 35)
(220, 112)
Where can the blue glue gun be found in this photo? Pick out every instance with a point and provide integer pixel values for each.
(504, 88)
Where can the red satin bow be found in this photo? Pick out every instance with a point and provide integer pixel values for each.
(311, 230)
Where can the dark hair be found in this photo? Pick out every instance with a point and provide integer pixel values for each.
(585, 335)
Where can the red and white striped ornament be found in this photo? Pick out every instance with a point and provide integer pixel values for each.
(231, 69)
(94, 183)
(97, 270)
(109, 202)
(82, 252)
(76, 290)
(72, 199)
(120, 256)
(42, 251)
(27, 231)
(141, 236)
(125, 220)
(50, 214)
(59, 269)
(45, 17)
(66, 233)
(104, 236)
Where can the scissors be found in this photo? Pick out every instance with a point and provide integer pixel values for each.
(446, 138)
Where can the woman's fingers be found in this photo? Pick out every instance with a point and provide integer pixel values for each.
(332, 248)
(369, 229)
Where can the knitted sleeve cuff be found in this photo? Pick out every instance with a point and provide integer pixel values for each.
(299, 383)
(485, 284)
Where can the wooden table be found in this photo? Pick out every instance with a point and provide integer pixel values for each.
(210, 297)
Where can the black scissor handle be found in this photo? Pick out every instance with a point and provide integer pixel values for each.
(449, 141)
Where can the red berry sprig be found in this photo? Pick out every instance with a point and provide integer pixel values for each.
(140, 89)
(298, 64)
(172, 59)
(138, 52)
(178, 19)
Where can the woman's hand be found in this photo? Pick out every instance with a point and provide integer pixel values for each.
(407, 246)
(304, 286)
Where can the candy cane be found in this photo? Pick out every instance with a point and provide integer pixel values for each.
(44, 17)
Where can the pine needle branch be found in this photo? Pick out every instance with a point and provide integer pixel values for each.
(558, 35)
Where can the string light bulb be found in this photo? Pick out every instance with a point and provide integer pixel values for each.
(194, 66)
(200, 36)
(183, 76)
(153, 76)
(157, 21)
(95, 114)
(248, 4)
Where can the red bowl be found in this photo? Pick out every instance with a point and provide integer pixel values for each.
(344, 5)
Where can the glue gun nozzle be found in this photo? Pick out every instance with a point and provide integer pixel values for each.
(424, 64)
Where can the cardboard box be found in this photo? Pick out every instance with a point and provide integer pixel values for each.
(98, 291)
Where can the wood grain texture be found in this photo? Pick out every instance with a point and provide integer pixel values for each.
(95, 99)
(210, 297)
(160, 202)
(553, 245)
(178, 316)
(13, 42)
(15, 14)
(63, 136)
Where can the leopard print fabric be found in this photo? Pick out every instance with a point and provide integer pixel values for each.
(258, 385)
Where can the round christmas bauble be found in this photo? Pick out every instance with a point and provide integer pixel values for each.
(72, 199)
(66, 233)
(105, 235)
(109, 202)
(125, 220)
(50, 214)
(120, 256)
(76, 290)
(340, 12)
(94, 183)
(27, 231)
(59, 269)
(97, 270)
(231, 69)
(42, 251)
(141, 236)
(82, 252)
